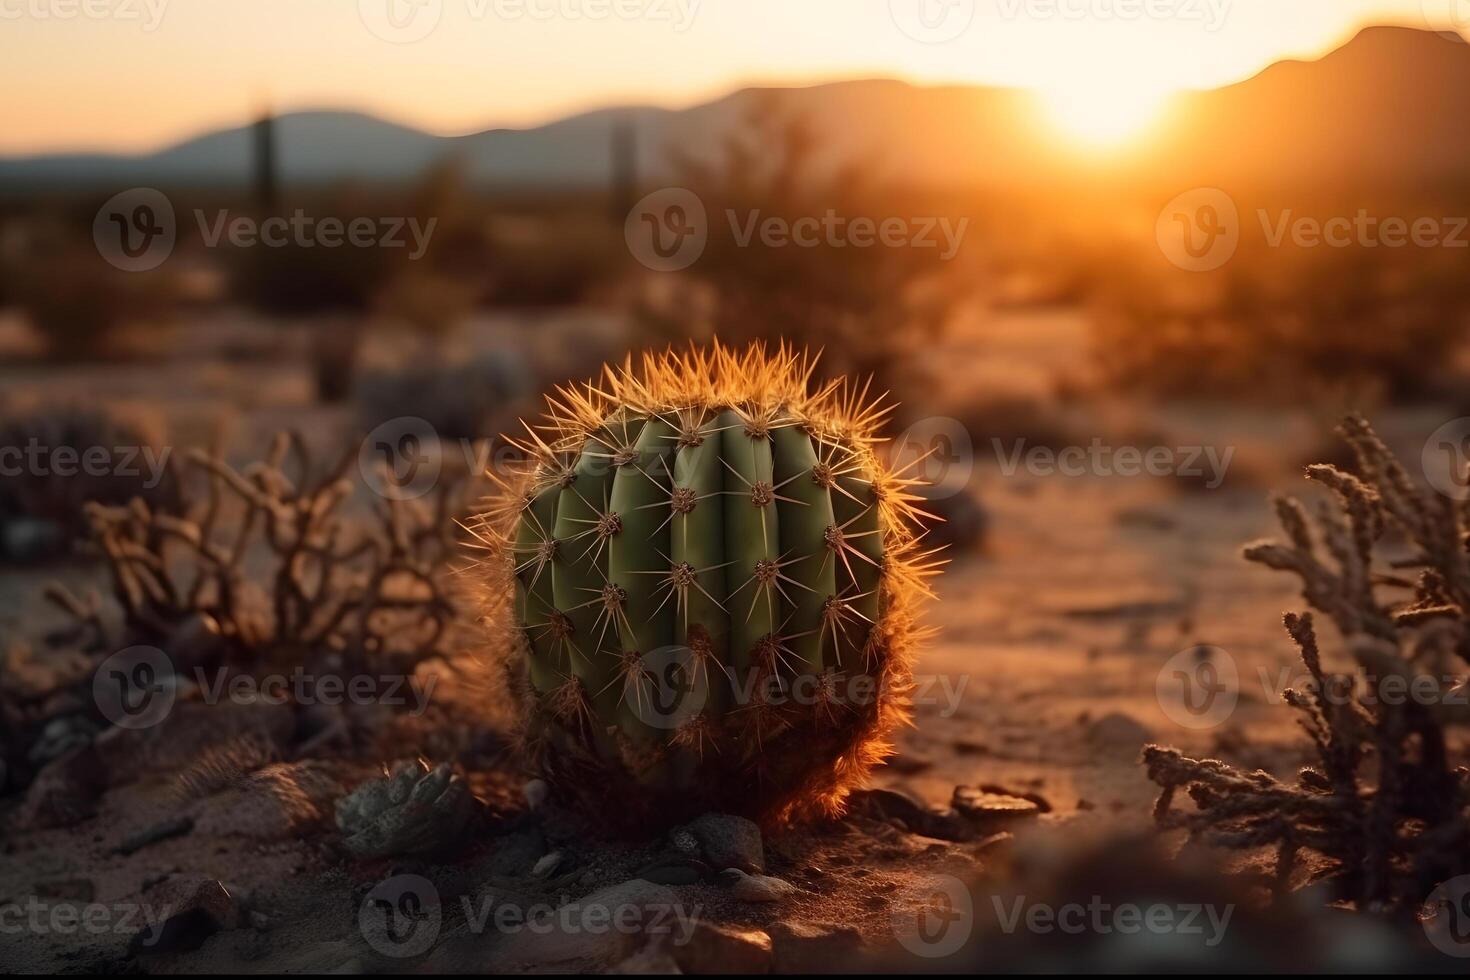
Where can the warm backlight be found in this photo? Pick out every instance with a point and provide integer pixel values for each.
(1103, 116)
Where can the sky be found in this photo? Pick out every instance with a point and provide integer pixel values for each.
(133, 75)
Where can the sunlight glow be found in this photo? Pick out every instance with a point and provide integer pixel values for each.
(1102, 116)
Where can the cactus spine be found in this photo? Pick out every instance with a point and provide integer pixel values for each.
(709, 528)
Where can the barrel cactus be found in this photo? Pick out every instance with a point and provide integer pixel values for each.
(715, 581)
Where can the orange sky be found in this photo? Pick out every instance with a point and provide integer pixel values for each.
(140, 73)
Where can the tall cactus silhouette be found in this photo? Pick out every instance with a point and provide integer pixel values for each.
(716, 579)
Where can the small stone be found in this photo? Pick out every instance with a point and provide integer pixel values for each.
(757, 888)
(536, 792)
(683, 841)
(716, 948)
(728, 841)
(814, 947)
(260, 920)
(979, 805)
(546, 865)
(906, 814)
(1118, 733)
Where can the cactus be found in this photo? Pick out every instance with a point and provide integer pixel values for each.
(715, 580)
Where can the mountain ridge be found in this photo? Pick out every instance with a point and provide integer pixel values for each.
(1347, 114)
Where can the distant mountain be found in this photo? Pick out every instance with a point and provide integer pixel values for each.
(1388, 106)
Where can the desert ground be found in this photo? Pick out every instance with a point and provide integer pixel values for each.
(1041, 688)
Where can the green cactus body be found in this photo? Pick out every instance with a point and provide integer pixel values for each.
(701, 543)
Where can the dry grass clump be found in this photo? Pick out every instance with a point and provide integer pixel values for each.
(1387, 805)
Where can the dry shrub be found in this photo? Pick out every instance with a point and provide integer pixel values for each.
(867, 308)
(465, 399)
(1387, 807)
(1284, 324)
(267, 568)
(78, 303)
(50, 489)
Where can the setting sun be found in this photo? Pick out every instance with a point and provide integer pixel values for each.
(1100, 116)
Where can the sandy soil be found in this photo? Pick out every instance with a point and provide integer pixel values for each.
(1043, 680)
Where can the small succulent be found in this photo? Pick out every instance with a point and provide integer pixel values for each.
(411, 810)
(716, 577)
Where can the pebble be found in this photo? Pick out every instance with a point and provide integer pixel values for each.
(757, 888)
(728, 841)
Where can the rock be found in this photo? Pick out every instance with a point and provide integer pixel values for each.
(1118, 733)
(546, 865)
(684, 841)
(536, 793)
(941, 823)
(66, 791)
(415, 810)
(196, 908)
(979, 805)
(814, 947)
(729, 841)
(757, 888)
(716, 948)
